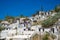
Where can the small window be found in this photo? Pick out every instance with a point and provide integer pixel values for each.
(37, 18)
(52, 29)
(24, 29)
(34, 21)
(39, 29)
(43, 29)
(28, 28)
(42, 13)
(33, 18)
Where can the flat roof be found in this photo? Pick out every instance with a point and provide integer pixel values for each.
(20, 36)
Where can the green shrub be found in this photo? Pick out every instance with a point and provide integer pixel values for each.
(51, 20)
(53, 36)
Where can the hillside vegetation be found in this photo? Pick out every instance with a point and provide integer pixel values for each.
(51, 20)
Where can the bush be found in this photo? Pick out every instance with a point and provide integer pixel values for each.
(51, 21)
(1, 28)
(53, 36)
(46, 36)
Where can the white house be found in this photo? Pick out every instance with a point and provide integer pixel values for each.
(5, 23)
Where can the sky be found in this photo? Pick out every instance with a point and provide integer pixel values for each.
(25, 7)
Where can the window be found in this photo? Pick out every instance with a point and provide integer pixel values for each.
(34, 21)
(33, 18)
(37, 18)
(39, 29)
(52, 29)
(42, 13)
(45, 13)
(24, 29)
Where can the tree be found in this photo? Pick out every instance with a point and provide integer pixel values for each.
(0, 21)
(9, 19)
(57, 8)
(46, 36)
